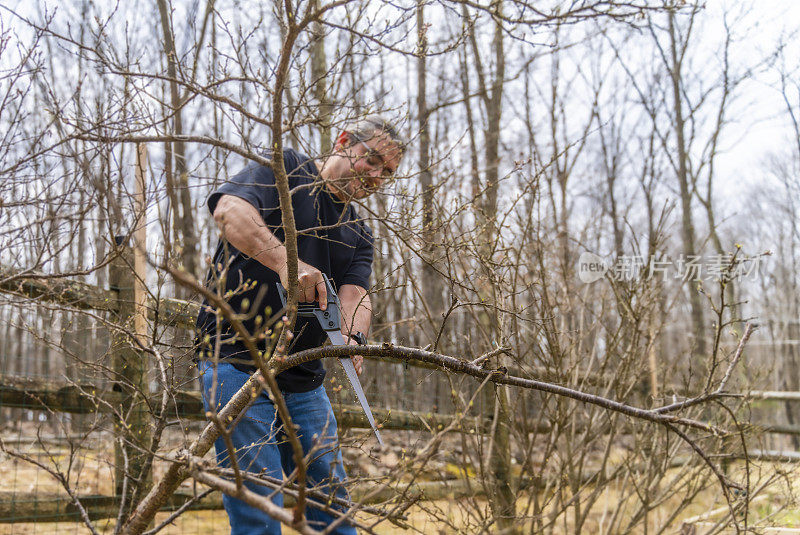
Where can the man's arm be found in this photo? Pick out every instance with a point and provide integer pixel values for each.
(356, 314)
(241, 225)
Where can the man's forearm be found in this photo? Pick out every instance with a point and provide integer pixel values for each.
(356, 309)
(242, 227)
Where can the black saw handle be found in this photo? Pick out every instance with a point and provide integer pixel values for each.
(329, 318)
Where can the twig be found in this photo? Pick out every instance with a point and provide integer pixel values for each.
(253, 499)
(453, 305)
(226, 437)
(123, 499)
(748, 330)
(317, 498)
(719, 392)
(725, 483)
(179, 511)
(58, 476)
(291, 489)
(490, 354)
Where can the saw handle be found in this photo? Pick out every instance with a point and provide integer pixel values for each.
(329, 318)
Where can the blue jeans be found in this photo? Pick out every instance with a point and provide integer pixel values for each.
(262, 448)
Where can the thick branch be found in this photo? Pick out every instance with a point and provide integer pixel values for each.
(497, 376)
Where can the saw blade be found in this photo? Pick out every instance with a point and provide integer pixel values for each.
(337, 339)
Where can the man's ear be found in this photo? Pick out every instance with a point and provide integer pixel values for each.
(342, 141)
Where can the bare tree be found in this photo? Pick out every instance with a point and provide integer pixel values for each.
(557, 405)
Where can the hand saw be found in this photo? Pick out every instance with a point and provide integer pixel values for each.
(330, 321)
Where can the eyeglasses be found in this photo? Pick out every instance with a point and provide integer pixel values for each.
(376, 160)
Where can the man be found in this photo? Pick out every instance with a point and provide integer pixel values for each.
(249, 260)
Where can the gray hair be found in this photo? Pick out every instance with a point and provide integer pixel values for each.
(369, 126)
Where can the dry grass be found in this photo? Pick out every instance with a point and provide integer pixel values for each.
(93, 475)
(774, 509)
(216, 523)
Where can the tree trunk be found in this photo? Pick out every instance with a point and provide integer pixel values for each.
(431, 283)
(502, 498)
(319, 80)
(687, 223)
(176, 151)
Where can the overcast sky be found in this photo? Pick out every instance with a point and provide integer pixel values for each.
(769, 129)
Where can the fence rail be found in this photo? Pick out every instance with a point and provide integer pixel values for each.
(43, 395)
(31, 507)
(76, 294)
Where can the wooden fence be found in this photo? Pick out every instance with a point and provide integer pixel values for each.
(119, 301)
(86, 398)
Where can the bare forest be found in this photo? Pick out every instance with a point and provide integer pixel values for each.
(586, 313)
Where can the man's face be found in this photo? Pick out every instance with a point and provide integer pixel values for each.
(363, 166)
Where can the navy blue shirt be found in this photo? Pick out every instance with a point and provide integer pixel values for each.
(331, 237)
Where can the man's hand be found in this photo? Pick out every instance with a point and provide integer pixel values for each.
(358, 360)
(310, 283)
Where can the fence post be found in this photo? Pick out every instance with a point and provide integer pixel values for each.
(501, 495)
(132, 425)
